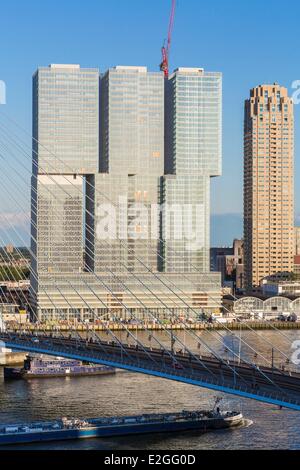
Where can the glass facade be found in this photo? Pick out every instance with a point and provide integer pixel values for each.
(59, 222)
(193, 149)
(85, 297)
(194, 122)
(132, 116)
(65, 142)
(122, 230)
(132, 160)
(186, 223)
(143, 223)
(104, 251)
(66, 119)
(121, 167)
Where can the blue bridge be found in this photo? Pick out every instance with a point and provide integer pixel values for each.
(266, 384)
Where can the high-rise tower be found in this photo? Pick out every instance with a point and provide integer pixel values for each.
(121, 191)
(268, 183)
(193, 149)
(66, 120)
(65, 150)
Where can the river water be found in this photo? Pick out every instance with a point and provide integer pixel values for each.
(128, 393)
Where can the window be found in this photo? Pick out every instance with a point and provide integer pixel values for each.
(266, 96)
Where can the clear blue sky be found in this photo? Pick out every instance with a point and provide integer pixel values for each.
(250, 41)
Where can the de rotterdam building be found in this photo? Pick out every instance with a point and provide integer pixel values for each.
(122, 163)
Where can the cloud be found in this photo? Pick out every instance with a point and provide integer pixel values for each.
(14, 228)
(14, 219)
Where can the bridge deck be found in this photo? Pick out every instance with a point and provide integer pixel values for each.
(259, 383)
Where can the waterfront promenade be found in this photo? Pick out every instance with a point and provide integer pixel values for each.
(199, 326)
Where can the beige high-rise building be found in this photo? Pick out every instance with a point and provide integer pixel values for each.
(268, 183)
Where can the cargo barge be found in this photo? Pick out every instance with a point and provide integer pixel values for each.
(40, 367)
(68, 429)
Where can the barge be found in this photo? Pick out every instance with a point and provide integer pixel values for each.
(67, 429)
(40, 367)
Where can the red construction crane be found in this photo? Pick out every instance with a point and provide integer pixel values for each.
(164, 66)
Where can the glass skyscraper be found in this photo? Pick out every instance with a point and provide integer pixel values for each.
(193, 148)
(66, 119)
(132, 122)
(65, 146)
(194, 123)
(132, 155)
(132, 163)
(60, 237)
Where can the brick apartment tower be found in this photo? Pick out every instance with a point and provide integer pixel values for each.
(268, 183)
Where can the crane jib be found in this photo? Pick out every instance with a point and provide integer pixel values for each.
(164, 67)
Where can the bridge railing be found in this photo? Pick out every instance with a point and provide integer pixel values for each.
(142, 365)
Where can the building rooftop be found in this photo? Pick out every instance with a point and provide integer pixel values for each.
(64, 66)
(189, 70)
(132, 68)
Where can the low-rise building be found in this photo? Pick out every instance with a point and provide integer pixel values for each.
(297, 267)
(261, 307)
(229, 261)
(288, 288)
(11, 313)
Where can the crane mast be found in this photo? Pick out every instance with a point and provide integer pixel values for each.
(164, 66)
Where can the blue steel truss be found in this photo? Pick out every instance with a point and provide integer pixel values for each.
(264, 394)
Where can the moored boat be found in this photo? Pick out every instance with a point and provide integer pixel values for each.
(39, 367)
